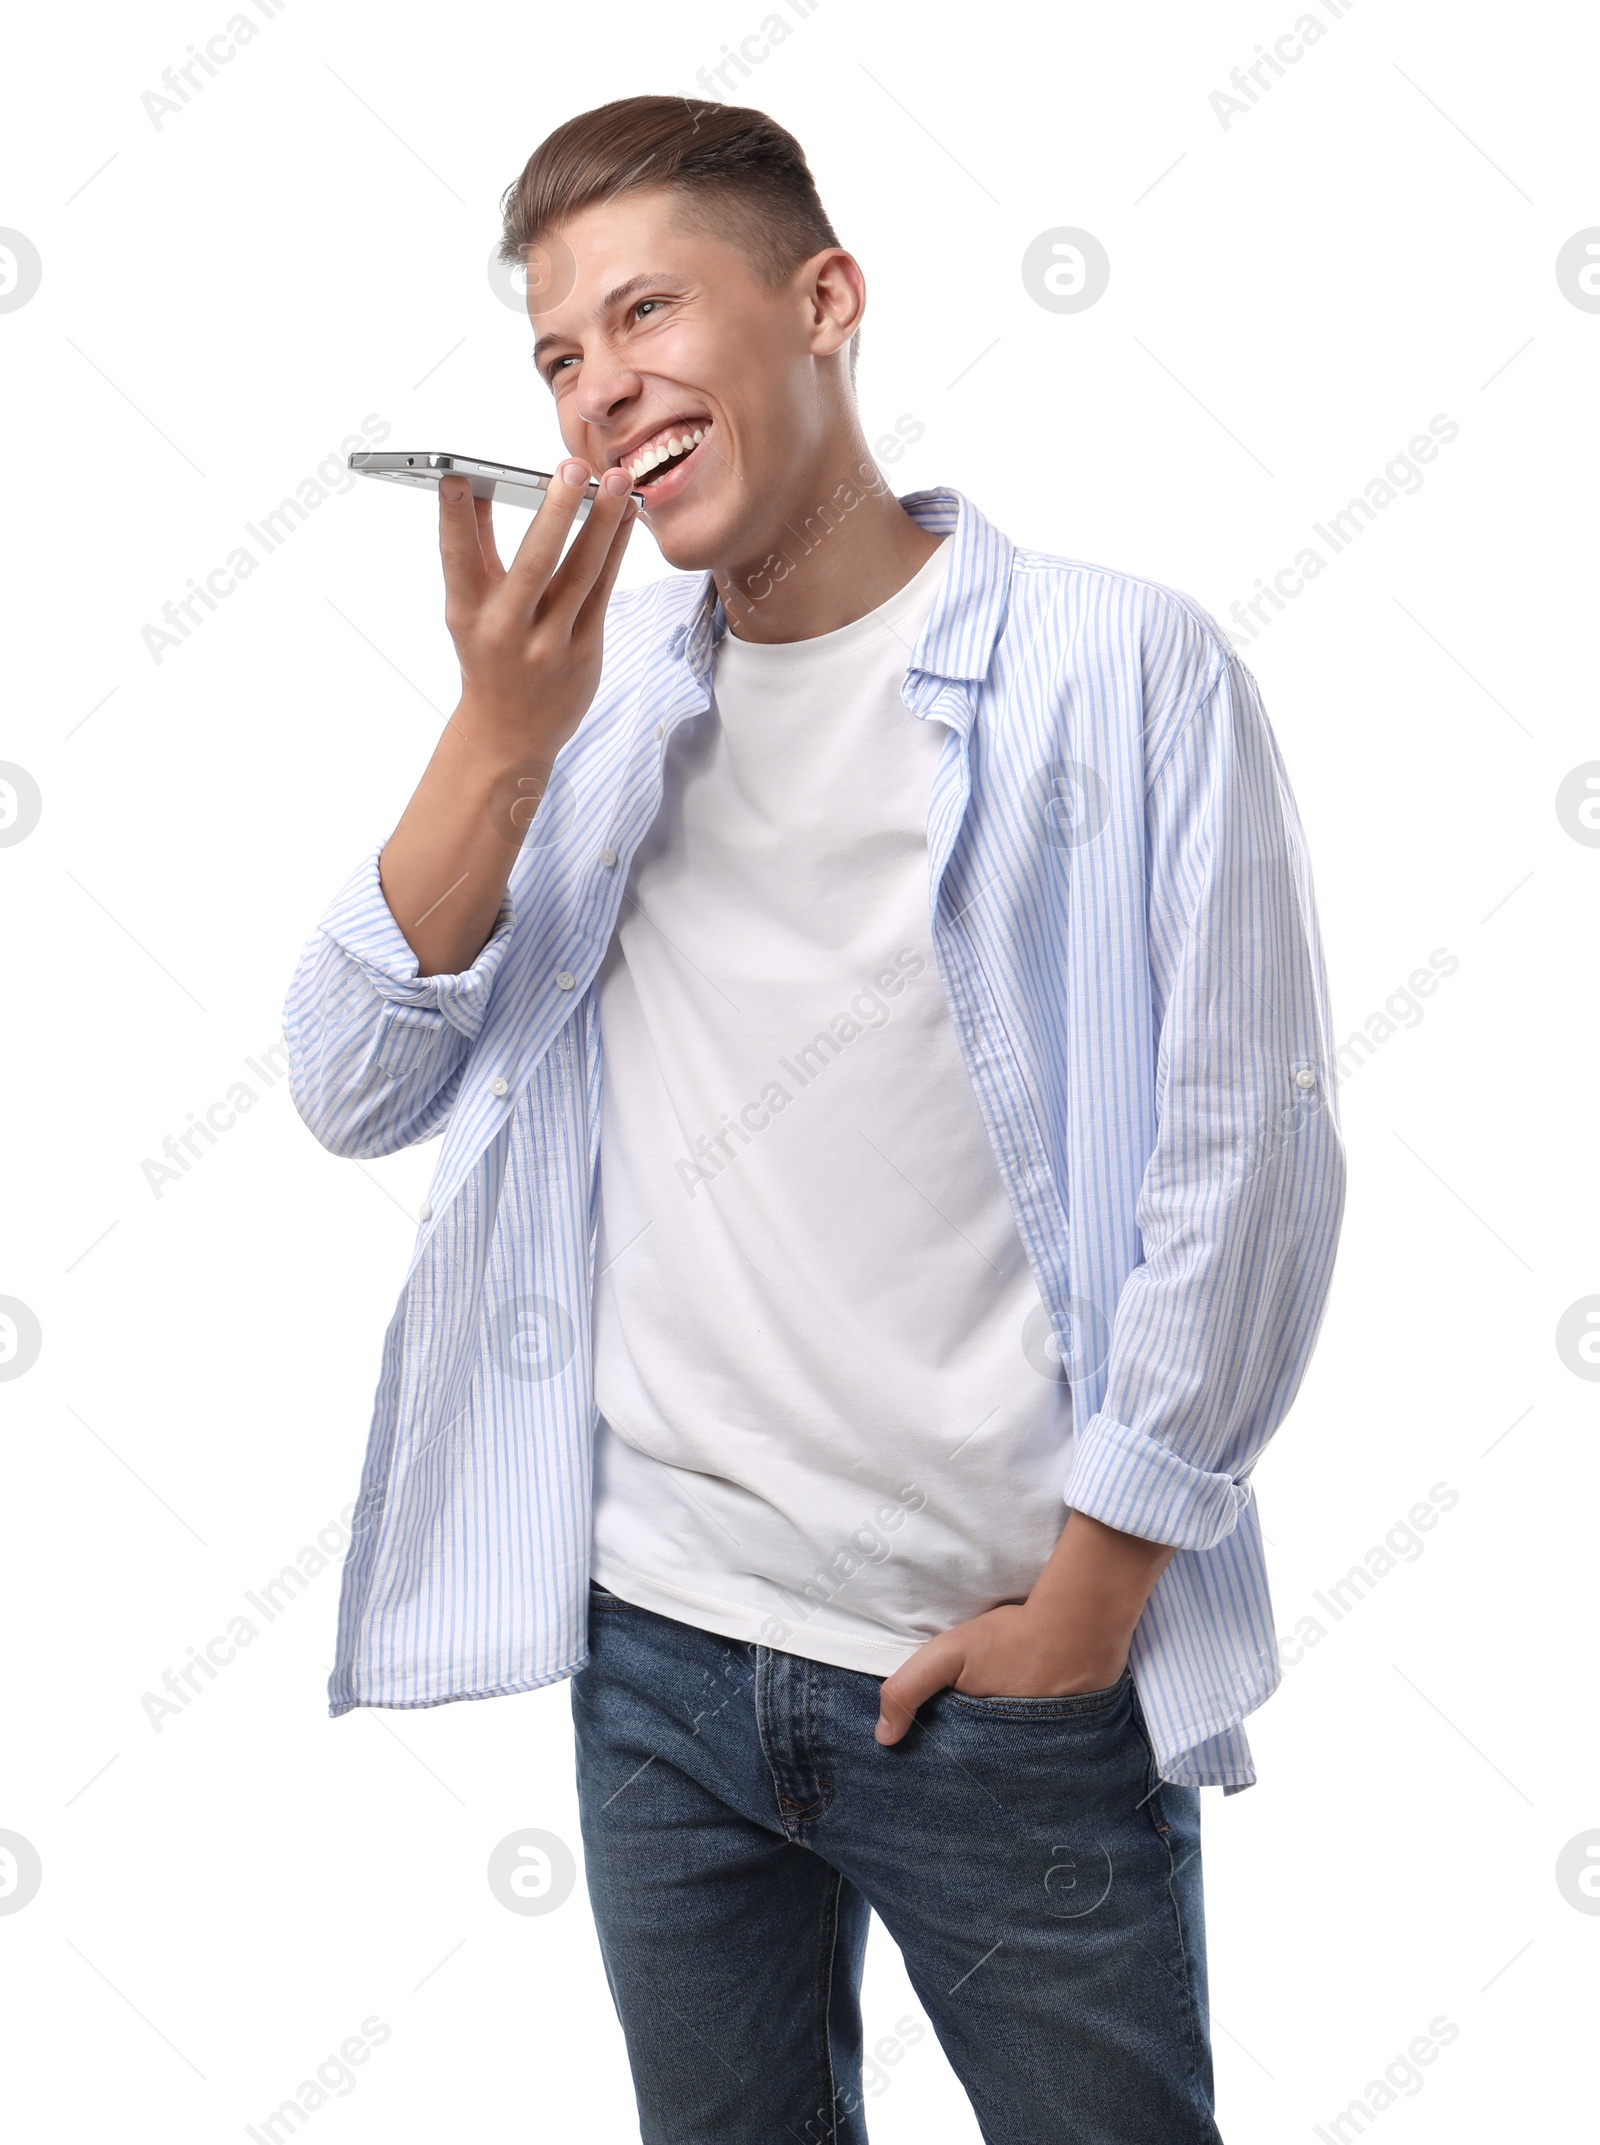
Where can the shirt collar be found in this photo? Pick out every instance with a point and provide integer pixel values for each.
(958, 638)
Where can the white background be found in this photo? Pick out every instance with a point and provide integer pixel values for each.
(1292, 298)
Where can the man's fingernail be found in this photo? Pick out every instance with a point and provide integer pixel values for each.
(574, 473)
(453, 488)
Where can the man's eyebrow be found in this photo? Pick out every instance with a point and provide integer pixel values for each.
(608, 304)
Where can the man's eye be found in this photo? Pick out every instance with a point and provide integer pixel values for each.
(556, 364)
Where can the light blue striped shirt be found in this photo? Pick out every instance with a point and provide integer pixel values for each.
(1121, 905)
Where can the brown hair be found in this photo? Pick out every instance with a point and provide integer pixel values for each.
(740, 176)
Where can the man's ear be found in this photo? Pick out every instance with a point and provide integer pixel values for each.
(838, 298)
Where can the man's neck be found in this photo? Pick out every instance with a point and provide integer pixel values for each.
(827, 569)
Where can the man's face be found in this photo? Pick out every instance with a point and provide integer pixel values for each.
(665, 332)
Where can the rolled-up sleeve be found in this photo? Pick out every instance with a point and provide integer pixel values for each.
(1242, 1197)
(376, 1052)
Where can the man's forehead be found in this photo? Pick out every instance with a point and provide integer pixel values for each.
(608, 241)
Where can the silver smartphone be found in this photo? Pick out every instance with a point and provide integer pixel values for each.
(489, 480)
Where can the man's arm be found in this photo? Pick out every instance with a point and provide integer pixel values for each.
(1239, 1213)
(529, 639)
(1242, 1196)
(390, 996)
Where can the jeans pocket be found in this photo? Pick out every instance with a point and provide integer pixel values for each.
(1073, 1705)
(601, 1597)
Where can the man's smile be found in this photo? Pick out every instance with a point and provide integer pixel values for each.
(652, 457)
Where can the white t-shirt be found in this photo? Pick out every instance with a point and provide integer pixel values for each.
(820, 1426)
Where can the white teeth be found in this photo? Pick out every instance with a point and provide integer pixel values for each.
(664, 450)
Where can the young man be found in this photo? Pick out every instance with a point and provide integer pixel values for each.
(869, 984)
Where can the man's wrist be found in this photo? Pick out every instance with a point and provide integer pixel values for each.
(1098, 1578)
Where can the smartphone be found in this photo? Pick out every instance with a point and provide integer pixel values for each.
(489, 480)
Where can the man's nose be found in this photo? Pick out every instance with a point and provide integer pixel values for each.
(604, 394)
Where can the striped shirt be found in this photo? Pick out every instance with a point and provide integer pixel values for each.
(1121, 905)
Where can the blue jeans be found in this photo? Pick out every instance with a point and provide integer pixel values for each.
(739, 1823)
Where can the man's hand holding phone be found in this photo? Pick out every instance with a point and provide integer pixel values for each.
(529, 638)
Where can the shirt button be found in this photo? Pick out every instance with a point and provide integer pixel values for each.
(566, 980)
(425, 1212)
(608, 857)
(661, 729)
(1305, 1077)
(497, 1086)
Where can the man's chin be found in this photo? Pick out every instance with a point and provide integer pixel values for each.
(687, 540)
